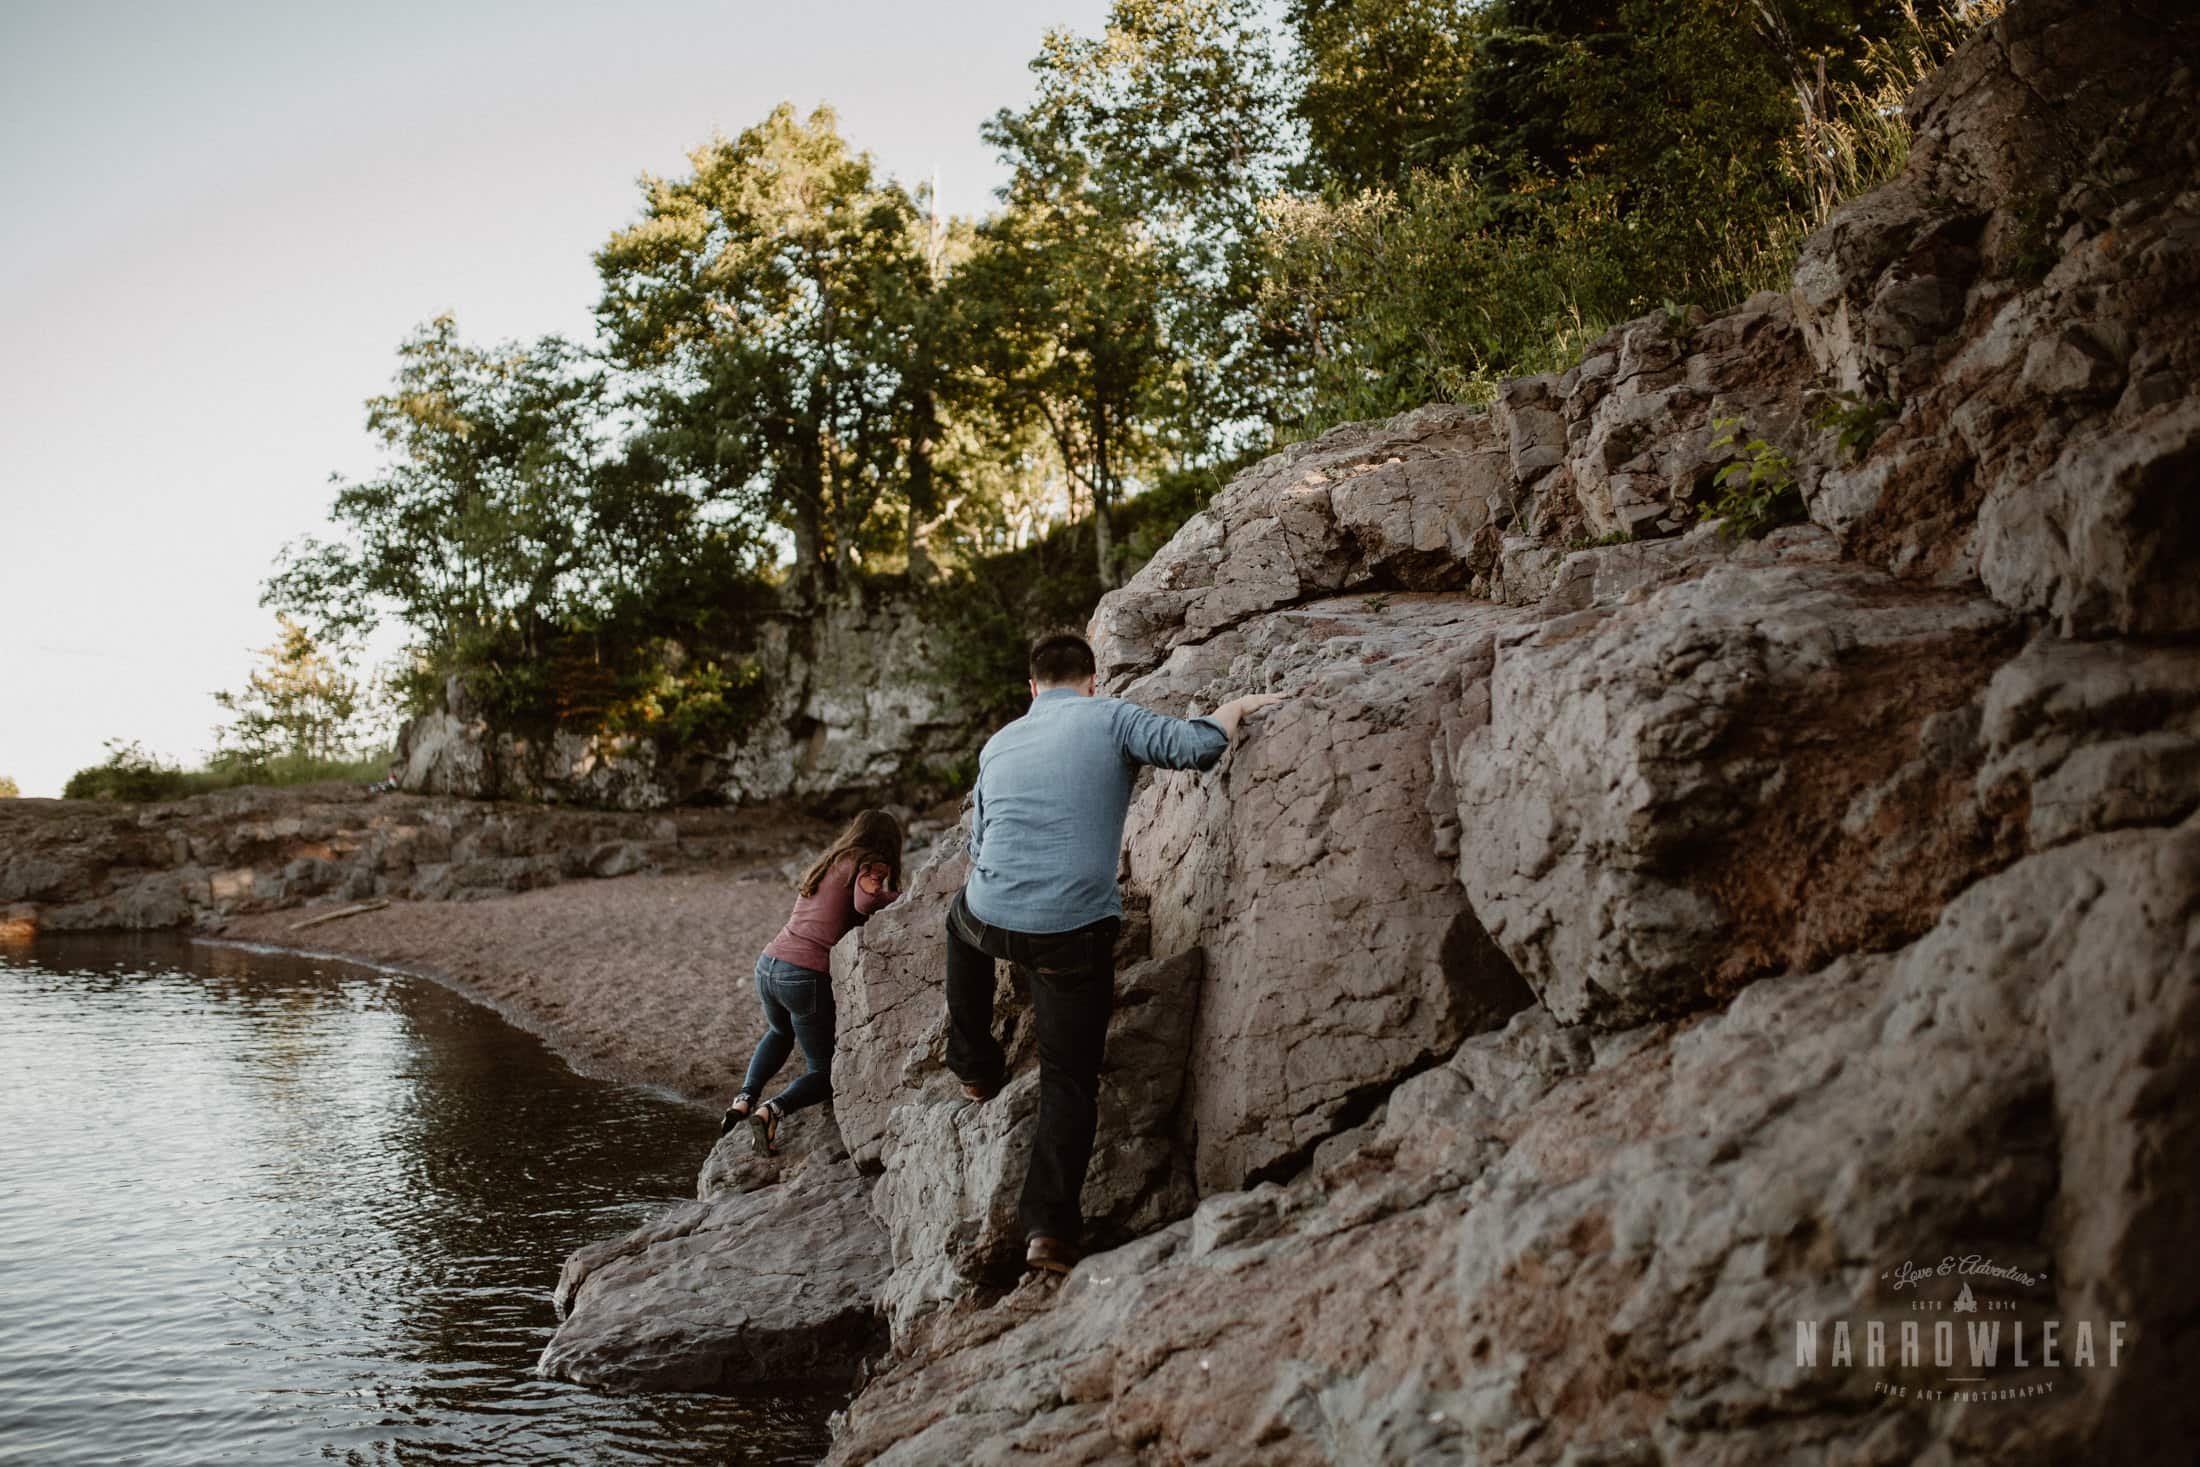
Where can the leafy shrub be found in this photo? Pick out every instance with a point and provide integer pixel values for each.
(988, 612)
(1758, 491)
(127, 773)
(933, 782)
(987, 617)
(1565, 199)
(1436, 291)
(711, 701)
(1855, 420)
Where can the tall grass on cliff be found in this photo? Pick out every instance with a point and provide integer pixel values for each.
(1678, 155)
(1854, 135)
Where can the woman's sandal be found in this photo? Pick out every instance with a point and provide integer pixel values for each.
(764, 1128)
(736, 1113)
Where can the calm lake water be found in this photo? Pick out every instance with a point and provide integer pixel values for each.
(260, 1208)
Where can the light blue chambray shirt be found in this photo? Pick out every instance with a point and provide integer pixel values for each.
(1046, 822)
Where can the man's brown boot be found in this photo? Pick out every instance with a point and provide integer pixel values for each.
(1050, 1254)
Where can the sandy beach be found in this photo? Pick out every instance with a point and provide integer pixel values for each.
(643, 979)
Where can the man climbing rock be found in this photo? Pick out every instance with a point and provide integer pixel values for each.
(1046, 834)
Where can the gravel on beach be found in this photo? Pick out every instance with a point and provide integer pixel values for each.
(646, 979)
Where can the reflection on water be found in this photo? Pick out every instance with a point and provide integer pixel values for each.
(258, 1208)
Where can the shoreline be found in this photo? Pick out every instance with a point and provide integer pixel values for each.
(559, 1043)
(642, 980)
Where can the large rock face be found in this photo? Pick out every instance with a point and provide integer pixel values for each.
(2027, 295)
(1625, 971)
(851, 704)
(1751, 769)
(1558, 1249)
(1312, 869)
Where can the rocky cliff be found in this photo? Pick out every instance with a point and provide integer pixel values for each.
(852, 706)
(1610, 1010)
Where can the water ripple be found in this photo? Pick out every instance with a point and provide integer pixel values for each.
(262, 1209)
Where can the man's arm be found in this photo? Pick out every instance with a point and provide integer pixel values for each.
(1231, 713)
(1152, 738)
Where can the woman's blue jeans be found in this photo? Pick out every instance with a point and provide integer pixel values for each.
(798, 1007)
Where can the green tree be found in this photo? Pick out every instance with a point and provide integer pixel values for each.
(480, 526)
(1114, 291)
(1382, 85)
(776, 300)
(1067, 328)
(301, 704)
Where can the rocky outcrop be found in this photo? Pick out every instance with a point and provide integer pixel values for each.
(1759, 766)
(1566, 1246)
(1618, 965)
(748, 1285)
(69, 865)
(851, 704)
(2023, 300)
(952, 1170)
(1314, 869)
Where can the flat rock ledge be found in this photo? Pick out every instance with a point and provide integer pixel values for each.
(770, 1286)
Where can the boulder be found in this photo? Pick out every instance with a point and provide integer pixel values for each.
(771, 1286)
(1313, 869)
(1757, 766)
(2106, 540)
(1377, 505)
(890, 1005)
(2092, 736)
(950, 1171)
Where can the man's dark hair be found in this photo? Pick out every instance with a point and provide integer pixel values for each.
(1061, 658)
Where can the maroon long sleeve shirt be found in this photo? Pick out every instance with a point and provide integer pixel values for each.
(824, 916)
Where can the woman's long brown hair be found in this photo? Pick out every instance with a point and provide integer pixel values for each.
(873, 836)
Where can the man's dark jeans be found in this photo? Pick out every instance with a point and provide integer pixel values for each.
(1072, 995)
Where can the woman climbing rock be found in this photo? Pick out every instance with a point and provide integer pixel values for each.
(858, 874)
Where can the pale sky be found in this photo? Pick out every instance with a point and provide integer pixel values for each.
(217, 221)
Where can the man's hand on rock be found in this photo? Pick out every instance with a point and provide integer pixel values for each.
(1230, 713)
